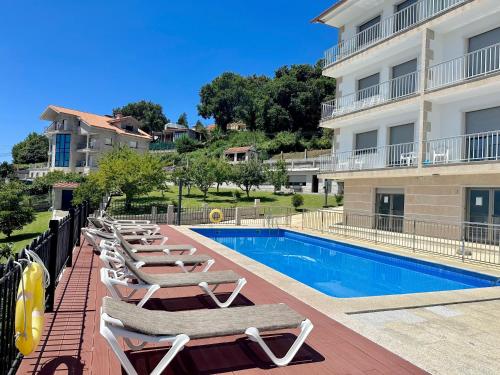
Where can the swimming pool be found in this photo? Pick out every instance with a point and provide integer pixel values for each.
(343, 270)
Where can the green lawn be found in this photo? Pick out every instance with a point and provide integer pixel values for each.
(23, 237)
(224, 198)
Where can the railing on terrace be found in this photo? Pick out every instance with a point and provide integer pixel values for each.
(55, 248)
(467, 148)
(397, 23)
(474, 64)
(162, 146)
(162, 213)
(57, 126)
(463, 240)
(85, 146)
(297, 163)
(394, 89)
(401, 155)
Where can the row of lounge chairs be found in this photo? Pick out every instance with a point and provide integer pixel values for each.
(121, 245)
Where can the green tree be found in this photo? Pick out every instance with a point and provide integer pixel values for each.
(129, 172)
(6, 170)
(297, 201)
(200, 128)
(186, 144)
(278, 176)
(248, 175)
(183, 120)
(33, 149)
(223, 98)
(89, 190)
(183, 171)
(203, 174)
(222, 172)
(148, 113)
(42, 184)
(15, 211)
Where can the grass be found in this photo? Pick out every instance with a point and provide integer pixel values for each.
(224, 198)
(23, 237)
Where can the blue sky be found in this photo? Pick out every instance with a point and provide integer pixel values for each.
(95, 55)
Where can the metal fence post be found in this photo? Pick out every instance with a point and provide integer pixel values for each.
(322, 224)
(54, 230)
(414, 233)
(237, 216)
(71, 241)
(154, 214)
(462, 249)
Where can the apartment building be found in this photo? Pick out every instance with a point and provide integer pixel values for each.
(416, 117)
(78, 139)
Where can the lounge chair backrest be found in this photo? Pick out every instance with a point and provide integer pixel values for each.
(95, 222)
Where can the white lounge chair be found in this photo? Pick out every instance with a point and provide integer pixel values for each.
(120, 319)
(131, 277)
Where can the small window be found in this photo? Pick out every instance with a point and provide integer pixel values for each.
(108, 141)
(132, 144)
(366, 143)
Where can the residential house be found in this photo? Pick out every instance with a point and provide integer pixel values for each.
(78, 139)
(165, 140)
(416, 115)
(240, 154)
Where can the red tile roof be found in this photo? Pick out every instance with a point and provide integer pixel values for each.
(233, 150)
(68, 185)
(98, 121)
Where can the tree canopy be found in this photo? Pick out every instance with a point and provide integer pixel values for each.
(290, 101)
(148, 113)
(183, 120)
(33, 149)
(249, 174)
(129, 172)
(15, 212)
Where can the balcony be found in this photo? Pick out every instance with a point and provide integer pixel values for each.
(56, 127)
(84, 147)
(467, 148)
(297, 164)
(469, 66)
(403, 155)
(398, 23)
(394, 89)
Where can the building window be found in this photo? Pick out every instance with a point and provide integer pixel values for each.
(63, 143)
(108, 141)
(132, 144)
(366, 143)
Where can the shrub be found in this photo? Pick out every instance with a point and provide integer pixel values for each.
(339, 199)
(236, 194)
(15, 212)
(297, 200)
(6, 250)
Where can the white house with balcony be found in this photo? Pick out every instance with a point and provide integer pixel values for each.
(78, 139)
(416, 117)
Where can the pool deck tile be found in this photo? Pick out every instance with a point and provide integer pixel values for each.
(72, 344)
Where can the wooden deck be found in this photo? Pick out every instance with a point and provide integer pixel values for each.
(72, 344)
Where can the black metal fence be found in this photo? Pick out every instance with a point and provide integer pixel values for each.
(55, 249)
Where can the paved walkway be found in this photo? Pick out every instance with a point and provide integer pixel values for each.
(72, 344)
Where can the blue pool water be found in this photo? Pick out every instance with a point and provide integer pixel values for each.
(342, 270)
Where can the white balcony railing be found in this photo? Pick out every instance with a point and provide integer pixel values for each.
(474, 64)
(57, 126)
(417, 13)
(467, 148)
(297, 164)
(384, 92)
(390, 156)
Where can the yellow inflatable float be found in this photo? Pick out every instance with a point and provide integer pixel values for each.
(30, 307)
(216, 216)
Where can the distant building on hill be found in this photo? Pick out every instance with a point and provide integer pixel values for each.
(78, 139)
(240, 154)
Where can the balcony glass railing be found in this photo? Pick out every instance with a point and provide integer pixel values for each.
(294, 164)
(467, 148)
(390, 156)
(394, 89)
(400, 21)
(474, 64)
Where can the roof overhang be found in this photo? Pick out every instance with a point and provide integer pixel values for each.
(344, 11)
(49, 114)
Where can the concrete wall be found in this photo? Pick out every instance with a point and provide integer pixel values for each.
(433, 198)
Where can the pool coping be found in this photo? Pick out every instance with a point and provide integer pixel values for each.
(333, 306)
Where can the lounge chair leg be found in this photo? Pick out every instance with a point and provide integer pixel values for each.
(132, 346)
(180, 264)
(177, 346)
(110, 333)
(151, 290)
(239, 285)
(306, 327)
(209, 264)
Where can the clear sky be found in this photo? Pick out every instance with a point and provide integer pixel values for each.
(94, 55)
